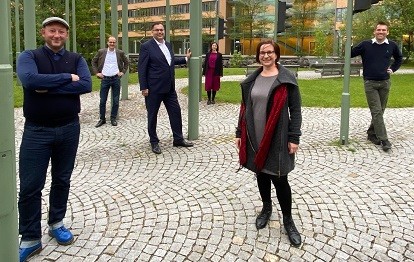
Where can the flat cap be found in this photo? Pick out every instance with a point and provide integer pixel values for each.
(55, 19)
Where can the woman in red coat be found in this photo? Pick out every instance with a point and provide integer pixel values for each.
(212, 70)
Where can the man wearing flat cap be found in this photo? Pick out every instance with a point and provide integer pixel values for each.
(53, 80)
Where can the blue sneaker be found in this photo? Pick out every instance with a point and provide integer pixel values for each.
(25, 253)
(62, 234)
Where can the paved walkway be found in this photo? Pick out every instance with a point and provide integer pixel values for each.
(351, 203)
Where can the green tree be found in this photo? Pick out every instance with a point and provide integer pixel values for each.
(303, 22)
(401, 18)
(87, 22)
(323, 32)
(251, 20)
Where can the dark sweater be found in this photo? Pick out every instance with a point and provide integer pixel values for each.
(47, 108)
(376, 59)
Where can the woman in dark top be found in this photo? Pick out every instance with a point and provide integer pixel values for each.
(212, 70)
(268, 132)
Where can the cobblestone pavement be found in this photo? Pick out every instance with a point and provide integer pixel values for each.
(350, 203)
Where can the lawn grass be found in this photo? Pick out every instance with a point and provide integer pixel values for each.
(327, 92)
(322, 92)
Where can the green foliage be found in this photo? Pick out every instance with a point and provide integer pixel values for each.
(401, 18)
(250, 21)
(321, 43)
(87, 23)
(236, 60)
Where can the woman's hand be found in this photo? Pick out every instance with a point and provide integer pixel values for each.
(237, 141)
(293, 148)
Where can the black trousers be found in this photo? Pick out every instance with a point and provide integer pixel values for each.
(283, 191)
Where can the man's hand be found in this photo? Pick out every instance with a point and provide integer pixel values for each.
(389, 71)
(145, 92)
(120, 74)
(99, 75)
(74, 77)
(188, 55)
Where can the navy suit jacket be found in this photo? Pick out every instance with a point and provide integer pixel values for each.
(153, 70)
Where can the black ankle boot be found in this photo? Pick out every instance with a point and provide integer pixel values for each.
(264, 216)
(291, 230)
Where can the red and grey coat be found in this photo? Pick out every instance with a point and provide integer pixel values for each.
(283, 125)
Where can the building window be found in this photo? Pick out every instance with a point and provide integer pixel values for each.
(180, 9)
(208, 6)
(340, 14)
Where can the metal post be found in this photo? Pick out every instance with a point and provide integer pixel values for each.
(276, 20)
(345, 104)
(167, 20)
(29, 24)
(114, 19)
(125, 47)
(9, 33)
(195, 69)
(74, 49)
(67, 18)
(102, 25)
(8, 202)
(17, 32)
(114, 25)
(217, 20)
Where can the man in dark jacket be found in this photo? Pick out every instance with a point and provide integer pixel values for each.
(156, 74)
(109, 65)
(376, 61)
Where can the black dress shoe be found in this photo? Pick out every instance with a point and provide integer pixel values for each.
(293, 233)
(183, 143)
(264, 216)
(156, 148)
(386, 145)
(374, 139)
(113, 122)
(100, 122)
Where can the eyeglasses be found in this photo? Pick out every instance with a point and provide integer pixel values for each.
(158, 30)
(269, 53)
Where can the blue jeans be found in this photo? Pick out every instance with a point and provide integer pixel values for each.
(106, 84)
(39, 146)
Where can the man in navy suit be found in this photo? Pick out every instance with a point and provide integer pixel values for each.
(157, 83)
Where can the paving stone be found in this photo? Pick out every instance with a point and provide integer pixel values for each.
(190, 204)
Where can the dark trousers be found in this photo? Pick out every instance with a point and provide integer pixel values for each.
(283, 191)
(39, 146)
(377, 97)
(170, 100)
(113, 83)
